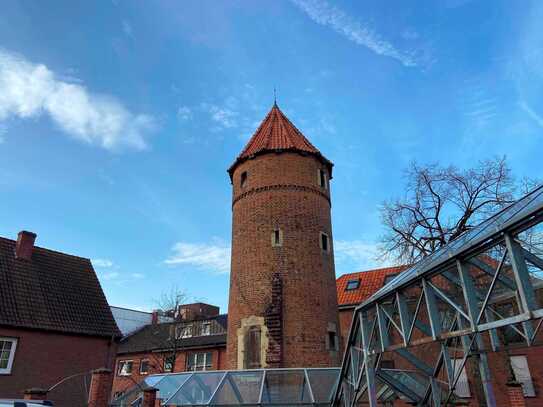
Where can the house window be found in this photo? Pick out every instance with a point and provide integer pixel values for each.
(462, 385)
(522, 374)
(324, 242)
(183, 331)
(199, 361)
(144, 366)
(118, 394)
(243, 179)
(352, 285)
(7, 353)
(169, 362)
(205, 328)
(322, 179)
(124, 368)
(253, 348)
(277, 238)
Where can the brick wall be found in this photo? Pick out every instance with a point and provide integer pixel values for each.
(156, 363)
(44, 358)
(282, 191)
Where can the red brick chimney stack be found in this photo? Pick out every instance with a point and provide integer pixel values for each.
(25, 245)
(154, 317)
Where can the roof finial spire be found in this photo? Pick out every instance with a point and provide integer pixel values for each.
(274, 96)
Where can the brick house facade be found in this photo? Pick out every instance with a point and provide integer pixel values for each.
(197, 340)
(54, 322)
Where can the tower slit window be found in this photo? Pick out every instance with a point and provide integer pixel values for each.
(322, 179)
(277, 238)
(243, 179)
(324, 242)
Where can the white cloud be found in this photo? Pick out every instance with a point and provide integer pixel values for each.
(137, 276)
(29, 90)
(328, 15)
(110, 275)
(357, 255)
(531, 112)
(102, 263)
(213, 256)
(224, 116)
(184, 113)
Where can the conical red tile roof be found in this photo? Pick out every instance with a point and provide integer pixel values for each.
(276, 133)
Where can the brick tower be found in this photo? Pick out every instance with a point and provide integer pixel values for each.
(283, 306)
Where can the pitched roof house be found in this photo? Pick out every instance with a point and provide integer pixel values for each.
(54, 320)
(198, 342)
(354, 288)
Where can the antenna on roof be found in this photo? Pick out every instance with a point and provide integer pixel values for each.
(274, 96)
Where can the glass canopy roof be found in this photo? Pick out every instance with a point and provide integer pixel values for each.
(508, 216)
(312, 387)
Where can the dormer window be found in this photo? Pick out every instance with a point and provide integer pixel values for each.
(243, 179)
(322, 179)
(352, 285)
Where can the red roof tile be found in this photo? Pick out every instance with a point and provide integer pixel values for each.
(370, 282)
(276, 133)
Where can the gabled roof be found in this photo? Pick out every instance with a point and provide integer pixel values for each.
(52, 291)
(276, 133)
(155, 337)
(370, 282)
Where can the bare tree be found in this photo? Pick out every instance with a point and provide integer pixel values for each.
(168, 305)
(440, 204)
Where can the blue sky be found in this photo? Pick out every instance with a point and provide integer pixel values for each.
(118, 119)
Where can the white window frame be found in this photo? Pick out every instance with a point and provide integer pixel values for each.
(141, 364)
(184, 331)
(207, 365)
(123, 363)
(521, 369)
(462, 389)
(11, 357)
(165, 361)
(205, 328)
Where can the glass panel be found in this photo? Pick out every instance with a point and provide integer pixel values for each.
(239, 388)
(151, 381)
(323, 383)
(170, 384)
(198, 389)
(285, 387)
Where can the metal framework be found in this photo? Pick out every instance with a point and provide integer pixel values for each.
(470, 297)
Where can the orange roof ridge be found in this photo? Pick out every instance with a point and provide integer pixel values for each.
(276, 133)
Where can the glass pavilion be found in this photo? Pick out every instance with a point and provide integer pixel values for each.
(262, 387)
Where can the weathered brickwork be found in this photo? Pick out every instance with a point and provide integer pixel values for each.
(274, 321)
(282, 191)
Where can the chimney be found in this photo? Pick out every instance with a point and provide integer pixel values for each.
(25, 244)
(154, 317)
